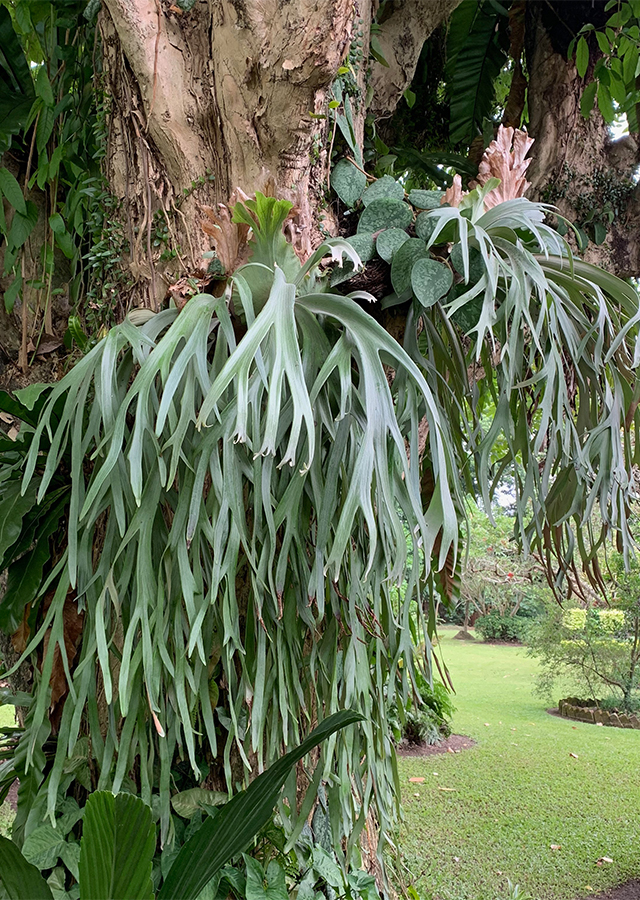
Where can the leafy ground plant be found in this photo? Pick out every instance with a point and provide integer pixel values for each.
(119, 841)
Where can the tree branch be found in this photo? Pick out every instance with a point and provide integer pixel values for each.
(402, 37)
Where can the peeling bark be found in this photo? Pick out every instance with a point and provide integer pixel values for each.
(225, 96)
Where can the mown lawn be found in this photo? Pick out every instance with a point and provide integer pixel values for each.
(6, 813)
(518, 792)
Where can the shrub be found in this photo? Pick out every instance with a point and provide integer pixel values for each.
(427, 719)
(598, 648)
(494, 627)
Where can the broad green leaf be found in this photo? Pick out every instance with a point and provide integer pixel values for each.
(44, 128)
(116, 852)
(403, 261)
(599, 233)
(425, 226)
(187, 803)
(364, 245)
(582, 57)
(24, 578)
(11, 293)
(385, 213)
(383, 187)
(56, 223)
(588, 98)
(261, 885)
(12, 191)
(29, 395)
(430, 281)
(476, 264)
(389, 241)
(19, 880)
(13, 508)
(22, 225)
(605, 103)
(426, 199)
(348, 182)
(603, 43)
(230, 832)
(43, 86)
(42, 846)
(476, 53)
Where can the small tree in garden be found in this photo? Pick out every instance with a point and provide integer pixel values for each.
(595, 646)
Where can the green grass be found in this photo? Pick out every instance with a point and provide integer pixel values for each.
(518, 792)
(6, 813)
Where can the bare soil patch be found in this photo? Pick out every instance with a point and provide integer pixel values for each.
(453, 744)
(628, 891)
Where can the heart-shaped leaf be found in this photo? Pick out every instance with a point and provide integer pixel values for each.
(389, 241)
(430, 281)
(383, 187)
(385, 213)
(403, 261)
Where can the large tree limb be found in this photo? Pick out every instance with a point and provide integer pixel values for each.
(155, 52)
(402, 37)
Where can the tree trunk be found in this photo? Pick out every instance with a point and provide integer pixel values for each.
(229, 95)
(576, 164)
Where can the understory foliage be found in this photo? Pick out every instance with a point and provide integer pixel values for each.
(596, 647)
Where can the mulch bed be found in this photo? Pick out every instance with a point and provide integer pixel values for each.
(628, 891)
(453, 744)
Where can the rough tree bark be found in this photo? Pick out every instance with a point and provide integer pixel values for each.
(226, 95)
(576, 164)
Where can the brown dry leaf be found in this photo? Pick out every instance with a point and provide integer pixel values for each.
(500, 161)
(20, 639)
(230, 239)
(416, 780)
(72, 629)
(449, 790)
(48, 346)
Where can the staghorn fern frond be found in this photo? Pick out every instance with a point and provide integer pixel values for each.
(237, 542)
(548, 389)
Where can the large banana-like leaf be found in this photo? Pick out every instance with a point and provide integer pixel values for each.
(238, 821)
(116, 852)
(19, 879)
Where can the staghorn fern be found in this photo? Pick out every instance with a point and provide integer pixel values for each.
(237, 540)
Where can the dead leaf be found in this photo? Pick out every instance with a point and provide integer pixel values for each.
(5, 417)
(49, 346)
(20, 639)
(456, 859)
(555, 847)
(72, 629)
(416, 780)
(416, 795)
(13, 433)
(230, 239)
(449, 790)
(574, 755)
(603, 860)
(486, 725)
